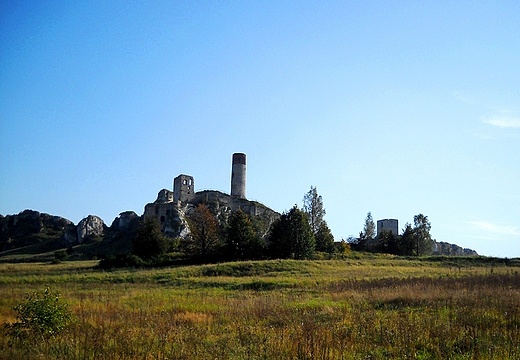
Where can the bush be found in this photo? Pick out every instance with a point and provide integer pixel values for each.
(121, 261)
(61, 255)
(40, 316)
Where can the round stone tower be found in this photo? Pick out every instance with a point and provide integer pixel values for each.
(238, 175)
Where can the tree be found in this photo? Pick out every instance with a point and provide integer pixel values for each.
(343, 247)
(387, 242)
(313, 207)
(359, 243)
(324, 239)
(149, 241)
(292, 236)
(406, 241)
(369, 230)
(365, 241)
(242, 241)
(204, 240)
(423, 243)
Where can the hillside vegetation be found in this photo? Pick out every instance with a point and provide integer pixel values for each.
(363, 306)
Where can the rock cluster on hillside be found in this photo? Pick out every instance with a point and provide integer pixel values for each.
(444, 248)
(30, 227)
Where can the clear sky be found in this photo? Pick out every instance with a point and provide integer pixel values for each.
(393, 107)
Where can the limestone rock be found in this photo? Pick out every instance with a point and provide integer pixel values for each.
(30, 227)
(444, 248)
(70, 236)
(126, 221)
(89, 227)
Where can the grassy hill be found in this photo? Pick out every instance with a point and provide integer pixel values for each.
(363, 306)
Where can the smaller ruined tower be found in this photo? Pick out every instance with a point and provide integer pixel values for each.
(388, 224)
(183, 188)
(238, 175)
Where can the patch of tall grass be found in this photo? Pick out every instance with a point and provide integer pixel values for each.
(357, 308)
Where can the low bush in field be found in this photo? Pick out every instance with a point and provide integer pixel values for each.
(120, 261)
(41, 315)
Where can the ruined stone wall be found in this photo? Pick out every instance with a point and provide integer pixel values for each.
(219, 200)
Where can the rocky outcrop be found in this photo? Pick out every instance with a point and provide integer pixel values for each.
(126, 221)
(90, 227)
(70, 236)
(446, 249)
(30, 227)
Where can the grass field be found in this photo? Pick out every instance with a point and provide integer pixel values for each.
(361, 307)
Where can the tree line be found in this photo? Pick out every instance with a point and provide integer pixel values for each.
(299, 233)
(415, 239)
(296, 234)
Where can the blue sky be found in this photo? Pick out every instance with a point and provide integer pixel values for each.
(393, 107)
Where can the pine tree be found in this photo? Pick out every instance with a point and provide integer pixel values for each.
(149, 242)
(324, 239)
(291, 236)
(242, 241)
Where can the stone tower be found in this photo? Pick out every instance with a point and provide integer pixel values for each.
(388, 224)
(183, 188)
(238, 175)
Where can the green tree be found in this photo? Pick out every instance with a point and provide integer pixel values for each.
(423, 243)
(204, 240)
(369, 230)
(292, 236)
(407, 241)
(366, 236)
(324, 239)
(343, 247)
(387, 242)
(359, 243)
(242, 241)
(313, 207)
(149, 242)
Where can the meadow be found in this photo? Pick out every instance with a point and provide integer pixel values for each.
(361, 307)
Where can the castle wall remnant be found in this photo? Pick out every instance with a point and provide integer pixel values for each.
(238, 175)
(183, 188)
(388, 224)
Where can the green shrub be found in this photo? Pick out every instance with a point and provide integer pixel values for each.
(121, 261)
(40, 316)
(61, 255)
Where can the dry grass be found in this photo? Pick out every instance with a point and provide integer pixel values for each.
(367, 308)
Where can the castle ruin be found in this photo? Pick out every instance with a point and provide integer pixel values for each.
(172, 207)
